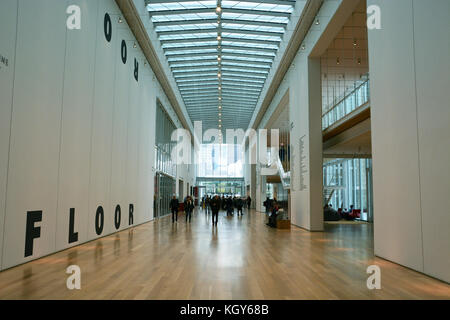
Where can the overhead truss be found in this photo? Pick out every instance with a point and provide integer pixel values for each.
(220, 52)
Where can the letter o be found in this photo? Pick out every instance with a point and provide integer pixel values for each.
(117, 216)
(99, 220)
(123, 51)
(107, 27)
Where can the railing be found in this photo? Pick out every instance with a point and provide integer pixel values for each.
(284, 176)
(351, 101)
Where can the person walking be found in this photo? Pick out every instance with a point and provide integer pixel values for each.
(268, 205)
(208, 204)
(174, 204)
(229, 206)
(188, 207)
(215, 207)
(249, 202)
(239, 205)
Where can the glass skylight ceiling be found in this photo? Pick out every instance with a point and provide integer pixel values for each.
(220, 53)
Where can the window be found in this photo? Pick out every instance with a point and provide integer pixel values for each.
(221, 160)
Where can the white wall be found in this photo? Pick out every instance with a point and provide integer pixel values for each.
(82, 128)
(305, 107)
(8, 18)
(410, 129)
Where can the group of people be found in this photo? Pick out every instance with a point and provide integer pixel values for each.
(272, 208)
(227, 203)
(330, 214)
(189, 206)
(210, 204)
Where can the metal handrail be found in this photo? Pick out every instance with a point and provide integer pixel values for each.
(341, 102)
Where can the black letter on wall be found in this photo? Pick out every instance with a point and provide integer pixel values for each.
(99, 219)
(136, 70)
(32, 232)
(130, 214)
(123, 51)
(107, 27)
(73, 236)
(117, 215)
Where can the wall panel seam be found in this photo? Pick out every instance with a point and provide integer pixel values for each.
(94, 73)
(417, 132)
(60, 138)
(10, 131)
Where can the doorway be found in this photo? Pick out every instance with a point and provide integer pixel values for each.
(164, 190)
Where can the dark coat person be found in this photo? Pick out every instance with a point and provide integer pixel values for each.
(188, 208)
(215, 204)
(239, 205)
(174, 204)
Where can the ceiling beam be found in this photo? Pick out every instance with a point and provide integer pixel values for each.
(264, 70)
(277, 2)
(216, 83)
(243, 99)
(235, 79)
(224, 53)
(224, 39)
(236, 103)
(212, 46)
(225, 62)
(213, 107)
(245, 105)
(206, 90)
(196, 74)
(215, 98)
(223, 20)
(205, 115)
(213, 10)
(228, 93)
(222, 30)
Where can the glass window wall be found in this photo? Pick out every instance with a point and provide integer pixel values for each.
(163, 143)
(350, 180)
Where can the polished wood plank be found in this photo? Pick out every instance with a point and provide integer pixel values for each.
(240, 259)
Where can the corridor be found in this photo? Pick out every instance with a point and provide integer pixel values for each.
(240, 259)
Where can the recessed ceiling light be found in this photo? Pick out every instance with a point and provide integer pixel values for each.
(338, 61)
(219, 38)
(120, 20)
(220, 114)
(134, 45)
(219, 58)
(219, 74)
(317, 22)
(218, 9)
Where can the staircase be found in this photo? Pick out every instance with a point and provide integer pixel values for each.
(284, 176)
(328, 190)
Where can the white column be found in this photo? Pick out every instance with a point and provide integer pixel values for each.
(409, 70)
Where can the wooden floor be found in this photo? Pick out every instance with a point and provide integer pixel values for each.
(241, 259)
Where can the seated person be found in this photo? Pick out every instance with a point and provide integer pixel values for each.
(348, 215)
(273, 217)
(329, 214)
